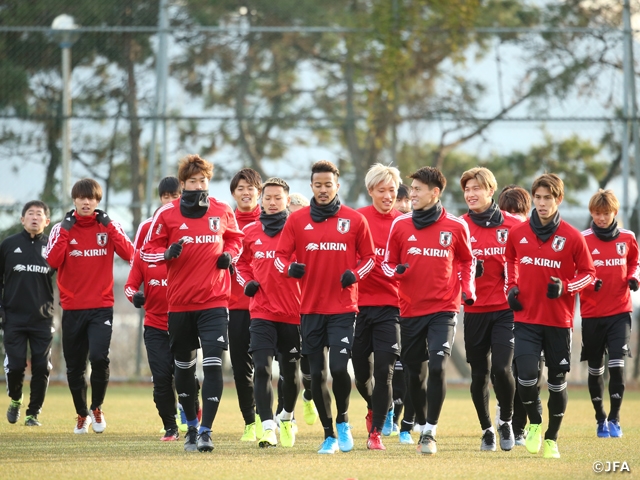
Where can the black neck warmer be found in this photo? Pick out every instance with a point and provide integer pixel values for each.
(194, 203)
(606, 234)
(273, 223)
(491, 217)
(544, 232)
(320, 213)
(424, 218)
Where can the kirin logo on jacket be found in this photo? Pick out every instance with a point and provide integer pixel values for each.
(446, 238)
(344, 224)
(214, 224)
(502, 234)
(102, 239)
(558, 243)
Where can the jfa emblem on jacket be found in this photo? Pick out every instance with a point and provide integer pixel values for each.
(558, 243)
(214, 224)
(344, 224)
(445, 238)
(102, 239)
(621, 248)
(502, 234)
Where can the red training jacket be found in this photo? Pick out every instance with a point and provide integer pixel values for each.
(83, 257)
(154, 278)
(238, 300)
(328, 248)
(277, 300)
(616, 262)
(141, 234)
(441, 265)
(489, 244)
(195, 281)
(378, 290)
(531, 264)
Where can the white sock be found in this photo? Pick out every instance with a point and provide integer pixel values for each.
(500, 423)
(427, 427)
(490, 429)
(286, 416)
(268, 425)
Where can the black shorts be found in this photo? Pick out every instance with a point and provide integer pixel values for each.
(320, 331)
(277, 337)
(482, 330)
(187, 330)
(606, 334)
(531, 339)
(426, 335)
(377, 330)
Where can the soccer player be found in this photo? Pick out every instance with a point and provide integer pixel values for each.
(246, 186)
(547, 264)
(197, 237)
(429, 252)
(154, 299)
(275, 313)
(488, 323)
(606, 307)
(377, 330)
(333, 251)
(26, 307)
(81, 248)
(403, 202)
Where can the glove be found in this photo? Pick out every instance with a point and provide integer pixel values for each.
(512, 298)
(102, 217)
(224, 261)
(633, 284)
(138, 299)
(479, 268)
(348, 278)
(467, 300)
(597, 285)
(68, 221)
(401, 268)
(174, 250)
(296, 270)
(554, 289)
(251, 288)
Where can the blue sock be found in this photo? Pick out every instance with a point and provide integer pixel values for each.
(193, 423)
(203, 429)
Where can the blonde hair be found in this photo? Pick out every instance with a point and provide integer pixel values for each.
(604, 201)
(482, 175)
(299, 199)
(379, 173)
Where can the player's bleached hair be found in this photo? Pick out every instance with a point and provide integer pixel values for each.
(379, 173)
(551, 181)
(249, 175)
(430, 176)
(482, 175)
(322, 166)
(299, 199)
(192, 165)
(276, 182)
(515, 199)
(604, 201)
(87, 188)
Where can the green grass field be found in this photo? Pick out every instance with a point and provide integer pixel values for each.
(130, 447)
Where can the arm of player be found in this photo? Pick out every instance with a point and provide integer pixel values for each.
(55, 253)
(157, 241)
(365, 251)
(284, 251)
(633, 267)
(392, 255)
(135, 278)
(510, 266)
(585, 271)
(467, 266)
(244, 269)
(122, 243)
(232, 237)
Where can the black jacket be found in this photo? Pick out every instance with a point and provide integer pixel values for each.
(25, 276)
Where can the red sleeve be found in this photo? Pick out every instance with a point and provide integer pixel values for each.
(123, 246)
(244, 270)
(585, 271)
(55, 253)
(366, 251)
(285, 249)
(232, 236)
(392, 256)
(135, 278)
(510, 266)
(633, 268)
(466, 263)
(157, 240)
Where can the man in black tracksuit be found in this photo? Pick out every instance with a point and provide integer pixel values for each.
(27, 310)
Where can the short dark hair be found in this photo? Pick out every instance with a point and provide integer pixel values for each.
(37, 204)
(430, 176)
(403, 192)
(515, 199)
(168, 184)
(192, 165)
(87, 188)
(324, 166)
(276, 182)
(249, 175)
